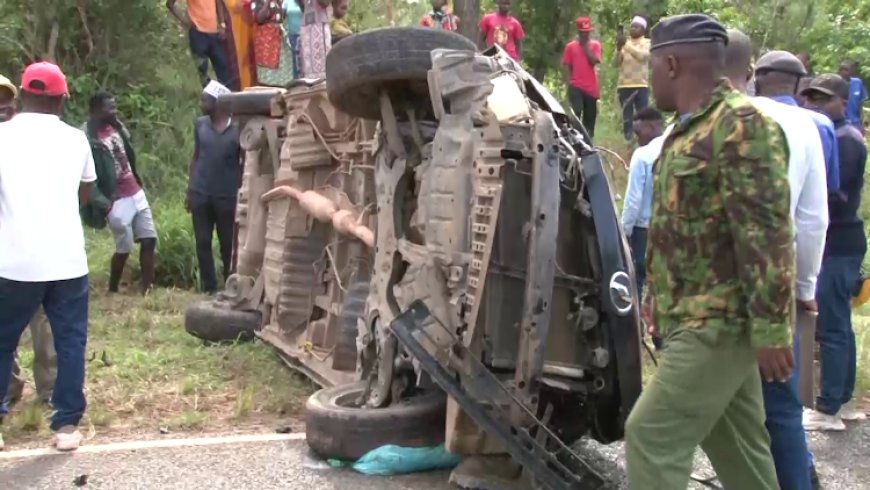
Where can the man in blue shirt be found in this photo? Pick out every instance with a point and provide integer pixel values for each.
(857, 94)
(637, 208)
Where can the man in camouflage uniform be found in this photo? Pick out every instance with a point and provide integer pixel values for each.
(720, 272)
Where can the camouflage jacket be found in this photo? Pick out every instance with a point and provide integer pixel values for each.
(721, 249)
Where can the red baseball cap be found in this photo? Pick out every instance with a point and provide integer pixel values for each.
(44, 78)
(584, 24)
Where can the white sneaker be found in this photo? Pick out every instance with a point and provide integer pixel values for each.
(818, 421)
(849, 413)
(68, 438)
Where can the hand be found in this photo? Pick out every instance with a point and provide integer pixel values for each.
(620, 41)
(775, 363)
(810, 306)
(646, 314)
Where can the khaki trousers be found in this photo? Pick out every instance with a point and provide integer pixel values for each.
(707, 392)
(44, 361)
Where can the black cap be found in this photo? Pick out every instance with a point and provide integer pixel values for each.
(829, 84)
(781, 61)
(687, 29)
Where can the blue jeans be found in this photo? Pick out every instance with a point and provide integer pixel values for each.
(66, 306)
(293, 41)
(834, 331)
(788, 441)
(637, 243)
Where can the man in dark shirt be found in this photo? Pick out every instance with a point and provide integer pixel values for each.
(845, 247)
(214, 184)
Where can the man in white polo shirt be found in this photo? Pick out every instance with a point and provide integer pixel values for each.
(46, 170)
(777, 75)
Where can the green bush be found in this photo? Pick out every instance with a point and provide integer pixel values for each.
(176, 249)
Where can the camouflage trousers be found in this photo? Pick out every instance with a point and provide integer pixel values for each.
(706, 392)
(44, 361)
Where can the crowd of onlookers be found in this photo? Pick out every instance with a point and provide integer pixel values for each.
(671, 199)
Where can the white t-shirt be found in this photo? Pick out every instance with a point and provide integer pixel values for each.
(809, 188)
(42, 162)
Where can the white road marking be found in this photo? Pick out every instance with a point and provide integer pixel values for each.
(155, 444)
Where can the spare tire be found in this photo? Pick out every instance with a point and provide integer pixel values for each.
(336, 428)
(215, 321)
(395, 58)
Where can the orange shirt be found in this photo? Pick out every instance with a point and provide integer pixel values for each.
(203, 14)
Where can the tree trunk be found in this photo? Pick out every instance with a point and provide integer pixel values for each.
(468, 12)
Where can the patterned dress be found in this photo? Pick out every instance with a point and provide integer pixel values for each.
(272, 51)
(315, 39)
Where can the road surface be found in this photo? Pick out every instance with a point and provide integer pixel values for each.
(273, 461)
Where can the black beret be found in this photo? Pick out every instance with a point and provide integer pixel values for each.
(687, 29)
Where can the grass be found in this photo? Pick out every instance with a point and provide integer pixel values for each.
(145, 373)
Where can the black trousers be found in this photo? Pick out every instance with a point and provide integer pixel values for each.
(210, 214)
(207, 47)
(585, 107)
(631, 99)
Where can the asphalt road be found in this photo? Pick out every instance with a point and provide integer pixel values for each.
(285, 465)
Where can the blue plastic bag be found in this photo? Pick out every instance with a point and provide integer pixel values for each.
(395, 460)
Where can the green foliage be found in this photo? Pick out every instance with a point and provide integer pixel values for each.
(177, 265)
(135, 50)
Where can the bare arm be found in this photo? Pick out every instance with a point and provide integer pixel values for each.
(192, 166)
(84, 193)
(173, 9)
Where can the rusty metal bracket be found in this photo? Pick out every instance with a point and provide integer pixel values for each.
(489, 403)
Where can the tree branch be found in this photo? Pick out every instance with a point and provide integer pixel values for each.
(51, 49)
(83, 16)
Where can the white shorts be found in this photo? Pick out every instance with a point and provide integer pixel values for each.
(130, 221)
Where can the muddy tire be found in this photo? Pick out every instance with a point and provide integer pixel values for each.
(394, 58)
(352, 310)
(216, 322)
(249, 103)
(336, 429)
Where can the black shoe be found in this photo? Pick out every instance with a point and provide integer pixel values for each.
(814, 478)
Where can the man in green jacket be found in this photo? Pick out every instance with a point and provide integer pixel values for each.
(118, 199)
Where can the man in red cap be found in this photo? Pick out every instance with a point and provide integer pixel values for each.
(581, 57)
(42, 245)
(503, 29)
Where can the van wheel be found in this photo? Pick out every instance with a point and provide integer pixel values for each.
(217, 322)
(393, 58)
(337, 427)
